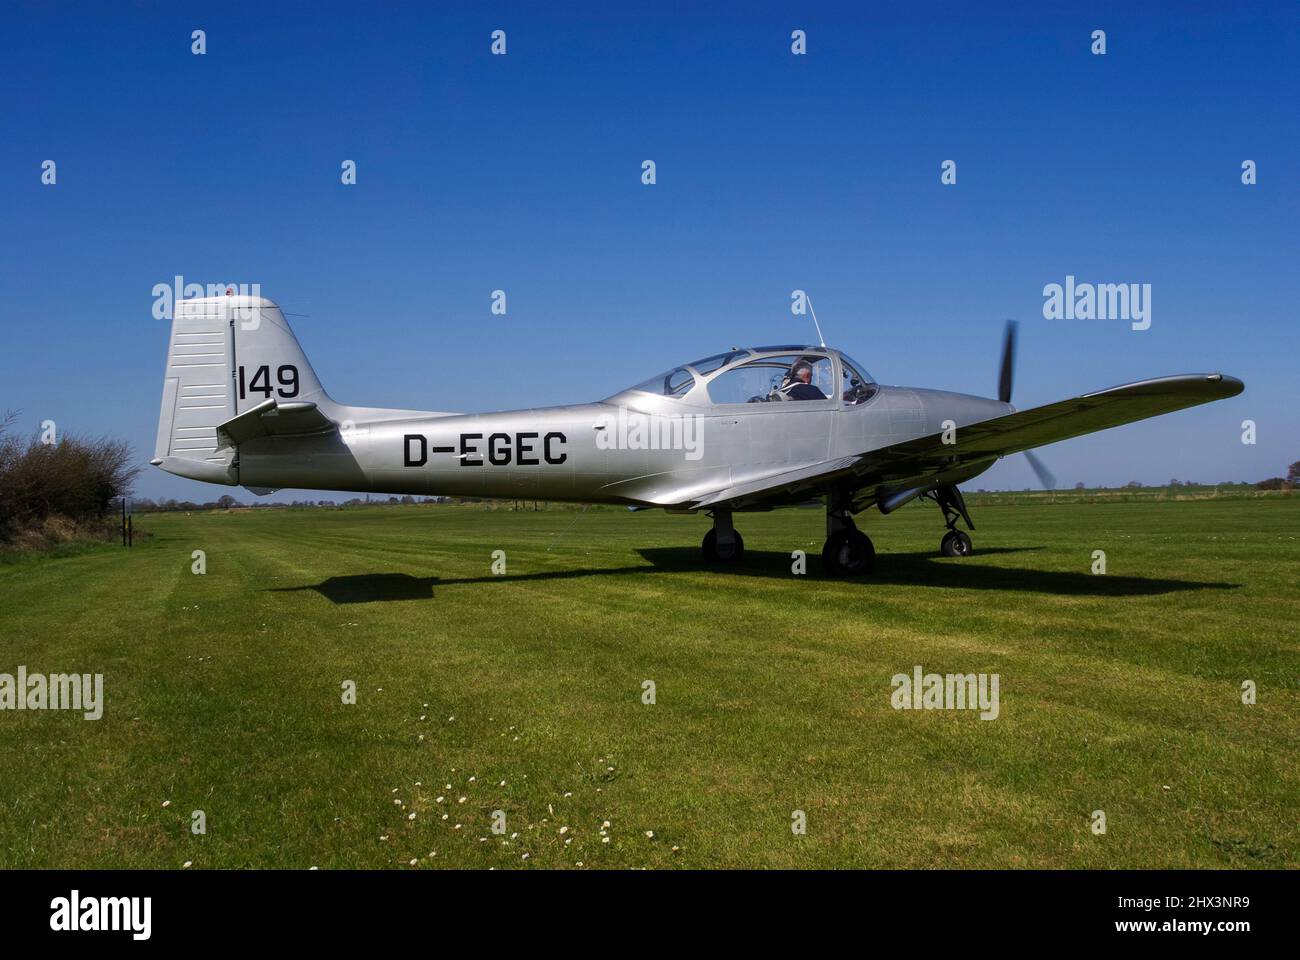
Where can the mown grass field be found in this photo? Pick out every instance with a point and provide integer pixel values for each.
(522, 692)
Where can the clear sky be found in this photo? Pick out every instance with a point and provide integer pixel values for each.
(775, 172)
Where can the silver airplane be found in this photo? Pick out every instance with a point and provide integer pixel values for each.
(745, 430)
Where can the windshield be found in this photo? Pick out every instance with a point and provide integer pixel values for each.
(857, 367)
(857, 387)
(677, 382)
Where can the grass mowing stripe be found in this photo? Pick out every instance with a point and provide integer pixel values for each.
(1120, 692)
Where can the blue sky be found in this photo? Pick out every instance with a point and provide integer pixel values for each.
(775, 172)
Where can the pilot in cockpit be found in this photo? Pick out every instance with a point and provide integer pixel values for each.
(798, 385)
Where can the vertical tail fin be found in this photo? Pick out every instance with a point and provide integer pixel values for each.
(225, 355)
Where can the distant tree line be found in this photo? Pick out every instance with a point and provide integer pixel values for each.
(1282, 483)
(227, 502)
(1276, 483)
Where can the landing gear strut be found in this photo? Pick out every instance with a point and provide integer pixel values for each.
(848, 552)
(955, 543)
(723, 543)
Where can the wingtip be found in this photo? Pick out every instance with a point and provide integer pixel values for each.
(1231, 385)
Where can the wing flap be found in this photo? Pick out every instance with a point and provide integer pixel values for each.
(787, 482)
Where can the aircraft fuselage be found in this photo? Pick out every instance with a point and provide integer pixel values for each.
(630, 449)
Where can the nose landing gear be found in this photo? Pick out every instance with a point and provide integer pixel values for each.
(955, 543)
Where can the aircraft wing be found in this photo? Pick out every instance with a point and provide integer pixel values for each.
(926, 460)
(272, 418)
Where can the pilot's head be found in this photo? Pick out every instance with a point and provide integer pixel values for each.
(802, 371)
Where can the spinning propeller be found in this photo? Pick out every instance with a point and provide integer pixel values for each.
(1004, 394)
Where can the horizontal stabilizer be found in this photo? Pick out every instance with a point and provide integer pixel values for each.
(273, 418)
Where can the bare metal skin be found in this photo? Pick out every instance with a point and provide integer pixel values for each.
(242, 405)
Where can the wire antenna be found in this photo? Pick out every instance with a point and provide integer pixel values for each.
(820, 339)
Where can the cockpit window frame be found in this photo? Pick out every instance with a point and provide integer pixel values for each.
(848, 363)
(728, 358)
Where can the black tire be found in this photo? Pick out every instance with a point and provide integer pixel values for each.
(849, 553)
(713, 555)
(956, 543)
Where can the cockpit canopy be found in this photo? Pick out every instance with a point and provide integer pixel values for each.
(677, 382)
(764, 375)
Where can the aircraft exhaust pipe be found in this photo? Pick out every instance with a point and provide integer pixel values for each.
(892, 502)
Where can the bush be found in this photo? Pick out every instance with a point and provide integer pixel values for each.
(72, 481)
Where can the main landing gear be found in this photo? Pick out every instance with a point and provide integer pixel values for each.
(848, 552)
(955, 543)
(723, 543)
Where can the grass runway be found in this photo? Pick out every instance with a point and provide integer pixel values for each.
(522, 692)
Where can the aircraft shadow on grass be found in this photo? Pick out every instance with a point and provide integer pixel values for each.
(922, 569)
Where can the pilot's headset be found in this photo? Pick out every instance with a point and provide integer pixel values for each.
(792, 376)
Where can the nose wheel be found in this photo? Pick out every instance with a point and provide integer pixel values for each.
(955, 543)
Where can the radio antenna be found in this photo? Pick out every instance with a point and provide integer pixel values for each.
(820, 338)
